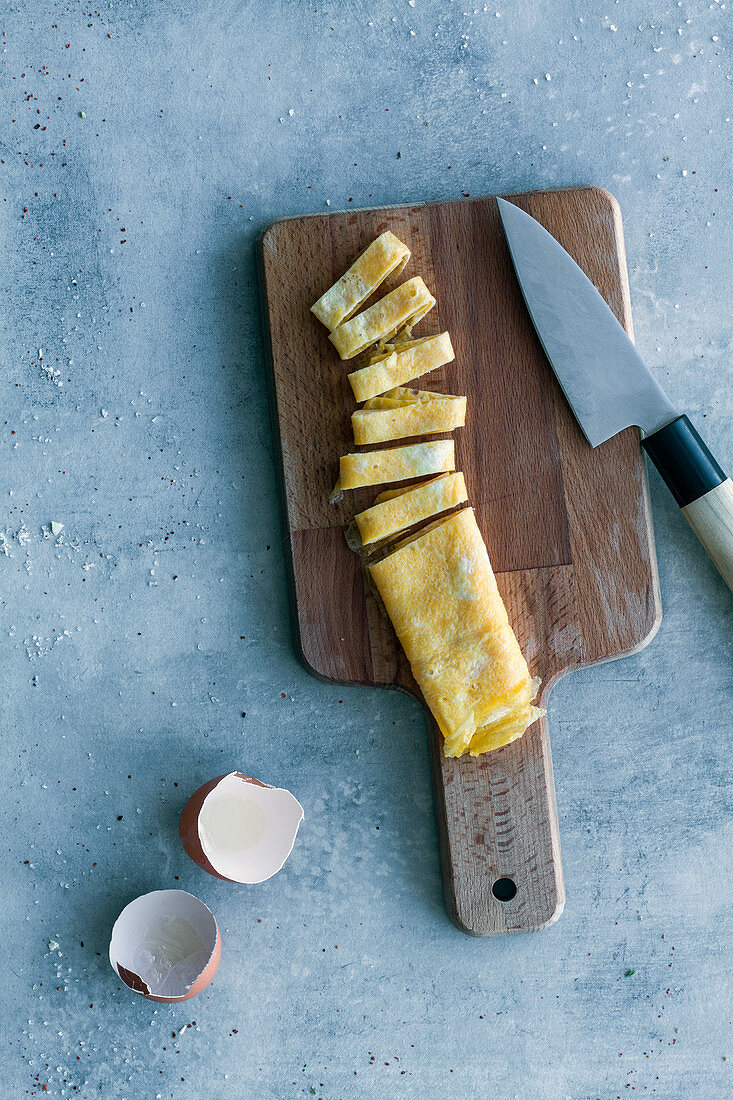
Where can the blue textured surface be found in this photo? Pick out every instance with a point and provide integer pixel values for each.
(148, 647)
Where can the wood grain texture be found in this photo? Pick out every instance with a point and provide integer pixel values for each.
(568, 528)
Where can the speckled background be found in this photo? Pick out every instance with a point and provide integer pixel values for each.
(148, 646)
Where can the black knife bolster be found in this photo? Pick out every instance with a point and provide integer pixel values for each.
(683, 460)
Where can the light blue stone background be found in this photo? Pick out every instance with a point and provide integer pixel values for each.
(134, 411)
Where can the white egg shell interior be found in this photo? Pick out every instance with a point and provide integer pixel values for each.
(166, 938)
(247, 830)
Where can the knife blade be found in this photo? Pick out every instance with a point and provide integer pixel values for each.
(608, 385)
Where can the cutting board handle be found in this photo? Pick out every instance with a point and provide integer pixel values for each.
(499, 839)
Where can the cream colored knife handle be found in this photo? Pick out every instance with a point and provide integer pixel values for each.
(699, 486)
(711, 518)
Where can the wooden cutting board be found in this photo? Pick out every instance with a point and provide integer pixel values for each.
(568, 528)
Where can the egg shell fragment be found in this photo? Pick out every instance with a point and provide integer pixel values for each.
(240, 829)
(153, 930)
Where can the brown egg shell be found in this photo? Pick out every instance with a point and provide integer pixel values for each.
(188, 826)
(135, 982)
(138, 985)
(285, 815)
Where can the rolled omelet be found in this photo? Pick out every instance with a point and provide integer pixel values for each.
(403, 307)
(401, 362)
(386, 255)
(398, 509)
(440, 592)
(396, 464)
(400, 413)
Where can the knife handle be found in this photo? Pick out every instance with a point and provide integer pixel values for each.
(699, 486)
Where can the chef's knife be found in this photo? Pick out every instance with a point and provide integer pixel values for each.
(609, 387)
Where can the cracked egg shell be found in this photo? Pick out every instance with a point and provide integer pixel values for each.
(166, 946)
(240, 829)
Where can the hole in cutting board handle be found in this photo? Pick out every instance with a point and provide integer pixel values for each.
(504, 889)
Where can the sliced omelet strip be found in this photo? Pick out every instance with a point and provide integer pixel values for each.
(396, 463)
(404, 508)
(401, 363)
(401, 308)
(401, 413)
(386, 255)
(440, 592)
(389, 494)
